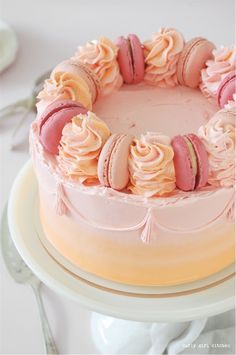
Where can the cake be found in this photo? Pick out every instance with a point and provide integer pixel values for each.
(135, 158)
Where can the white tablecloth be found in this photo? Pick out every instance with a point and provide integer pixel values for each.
(49, 31)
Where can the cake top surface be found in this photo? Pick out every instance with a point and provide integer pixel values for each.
(142, 108)
(161, 96)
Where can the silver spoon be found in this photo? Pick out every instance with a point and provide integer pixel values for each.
(21, 273)
(28, 102)
(24, 107)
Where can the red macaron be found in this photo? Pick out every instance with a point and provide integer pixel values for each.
(190, 161)
(226, 89)
(130, 58)
(53, 120)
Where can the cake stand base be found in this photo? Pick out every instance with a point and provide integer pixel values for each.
(117, 336)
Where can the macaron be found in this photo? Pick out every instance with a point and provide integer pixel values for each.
(190, 161)
(226, 89)
(130, 58)
(113, 162)
(53, 120)
(192, 60)
(84, 72)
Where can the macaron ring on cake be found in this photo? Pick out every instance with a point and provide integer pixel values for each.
(133, 147)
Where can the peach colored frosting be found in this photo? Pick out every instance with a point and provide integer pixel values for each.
(80, 146)
(218, 136)
(151, 165)
(223, 62)
(64, 85)
(161, 56)
(100, 55)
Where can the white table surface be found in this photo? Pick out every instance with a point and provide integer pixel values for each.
(48, 32)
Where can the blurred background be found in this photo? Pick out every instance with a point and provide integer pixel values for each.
(49, 31)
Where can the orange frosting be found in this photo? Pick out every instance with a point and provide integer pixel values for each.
(161, 56)
(101, 56)
(64, 85)
(80, 146)
(151, 165)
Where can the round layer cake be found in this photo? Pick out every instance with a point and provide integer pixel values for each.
(142, 224)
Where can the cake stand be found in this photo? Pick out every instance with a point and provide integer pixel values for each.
(120, 309)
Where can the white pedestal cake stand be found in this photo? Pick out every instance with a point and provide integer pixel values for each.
(144, 305)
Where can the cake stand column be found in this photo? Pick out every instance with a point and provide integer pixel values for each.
(118, 336)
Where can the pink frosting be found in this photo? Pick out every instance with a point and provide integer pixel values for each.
(101, 56)
(223, 62)
(231, 104)
(161, 57)
(80, 146)
(218, 135)
(151, 165)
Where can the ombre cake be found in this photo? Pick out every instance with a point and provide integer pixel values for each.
(135, 159)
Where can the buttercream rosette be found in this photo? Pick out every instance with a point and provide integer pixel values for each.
(80, 146)
(151, 165)
(64, 85)
(218, 136)
(223, 62)
(101, 56)
(161, 57)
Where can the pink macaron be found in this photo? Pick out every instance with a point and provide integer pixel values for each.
(226, 89)
(190, 161)
(192, 60)
(130, 59)
(113, 162)
(53, 120)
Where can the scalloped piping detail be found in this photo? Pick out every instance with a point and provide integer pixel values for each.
(148, 224)
(146, 235)
(61, 208)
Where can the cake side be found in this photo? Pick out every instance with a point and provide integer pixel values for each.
(102, 233)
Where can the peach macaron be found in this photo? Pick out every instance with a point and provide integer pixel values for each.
(192, 60)
(113, 161)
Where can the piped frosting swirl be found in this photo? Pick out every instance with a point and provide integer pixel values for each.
(218, 136)
(101, 56)
(223, 62)
(64, 85)
(151, 165)
(80, 146)
(161, 57)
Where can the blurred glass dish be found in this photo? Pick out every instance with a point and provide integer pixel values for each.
(8, 45)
